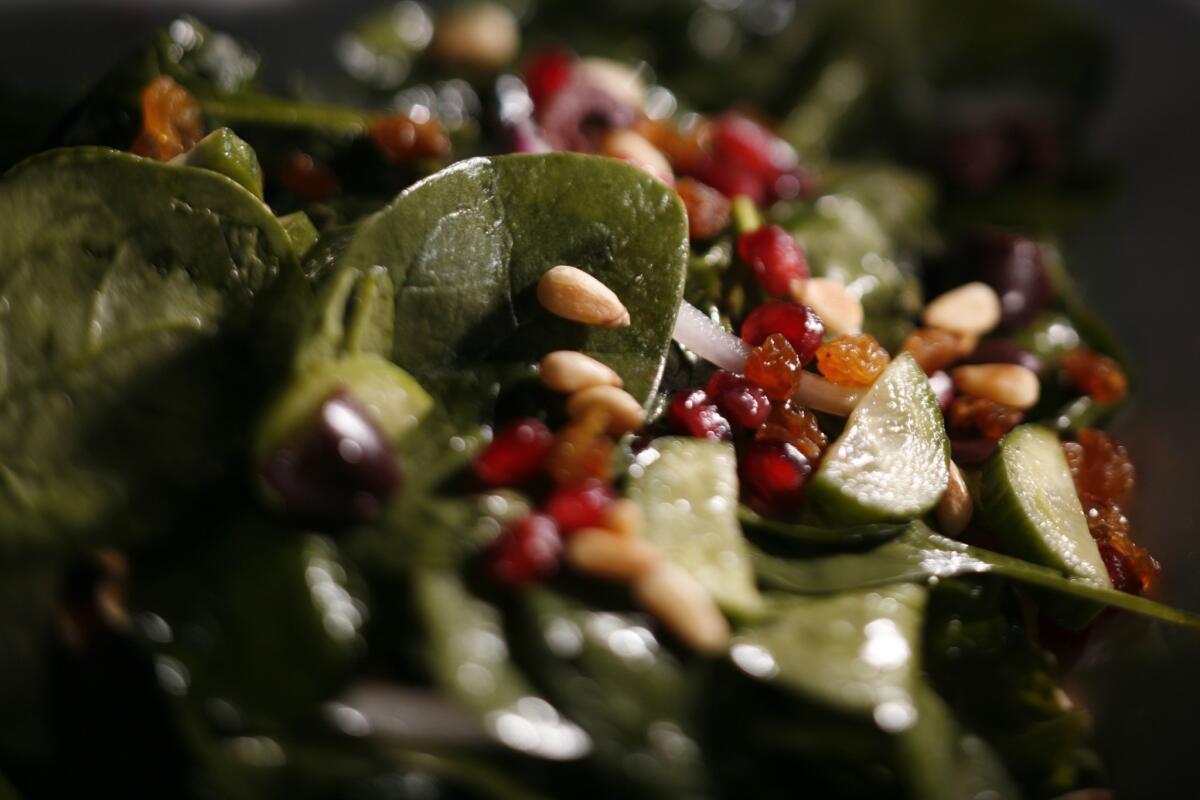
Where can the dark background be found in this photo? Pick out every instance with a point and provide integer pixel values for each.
(1137, 260)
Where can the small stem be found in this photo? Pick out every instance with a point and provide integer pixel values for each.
(745, 215)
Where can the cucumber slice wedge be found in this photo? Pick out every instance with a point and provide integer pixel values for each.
(1029, 501)
(891, 462)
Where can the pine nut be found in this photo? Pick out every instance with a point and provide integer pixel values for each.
(569, 371)
(684, 607)
(618, 80)
(631, 146)
(595, 551)
(1010, 384)
(624, 518)
(973, 309)
(955, 508)
(624, 412)
(572, 294)
(482, 36)
(837, 307)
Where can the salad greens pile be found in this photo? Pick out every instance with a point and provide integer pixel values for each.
(208, 292)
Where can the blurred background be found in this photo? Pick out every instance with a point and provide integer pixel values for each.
(1134, 252)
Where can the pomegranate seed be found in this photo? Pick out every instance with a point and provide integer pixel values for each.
(547, 73)
(775, 473)
(731, 180)
(580, 505)
(740, 401)
(752, 147)
(799, 324)
(515, 455)
(692, 413)
(528, 551)
(776, 257)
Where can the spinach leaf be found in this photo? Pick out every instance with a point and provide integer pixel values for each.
(254, 614)
(610, 674)
(140, 312)
(857, 652)
(817, 536)
(468, 658)
(919, 554)
(466, 247)
(976, 636)
(939, 760)
(688, 491)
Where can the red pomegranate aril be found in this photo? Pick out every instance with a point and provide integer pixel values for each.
(776, 257)
(731, 180)
(547, 73)
(515, 455)
(693, 413)
(526, 552)
(775, 473)
(799, 324)
(752, 147)
(740, 401)
(581, 505)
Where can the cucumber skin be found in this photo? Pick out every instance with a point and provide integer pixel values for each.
(1018, 536)
(833, 505)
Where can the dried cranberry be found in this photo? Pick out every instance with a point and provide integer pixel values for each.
(527, 551)
(799, 324)
(972, 452)
(776, 257)
(693, 413)
(547, 73)
(1003, 351)
(943, 389)
(515, 455)
(775, 473)
(743, 403)
(1013, 266)
(339, 470)
(580, 505)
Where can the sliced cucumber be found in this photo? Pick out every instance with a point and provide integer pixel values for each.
(688, 491)
(1030, 503)
(891, 462)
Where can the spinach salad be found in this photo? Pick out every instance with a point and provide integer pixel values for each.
(678, 402)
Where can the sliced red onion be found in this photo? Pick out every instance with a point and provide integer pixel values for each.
(819, 394)
(526, 139)
(707, 339)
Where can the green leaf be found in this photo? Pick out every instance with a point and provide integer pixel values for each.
(255, 613)
(636, 709)
(920, 554)
(466, 247)
(138, 320)
(468, 658)
(819, 536)
(856, 652)
(688, 492)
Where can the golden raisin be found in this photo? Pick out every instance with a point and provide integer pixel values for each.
(402, 139)
(707, 209)
(171, 121)
(1130, 566)
(775, 366)
(308, 177)
(796, 426)
(1101, 467)
(687, 150)
(970, 416)
(582, 450)
(933, 348)
(1096, 375)
(852, 360)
